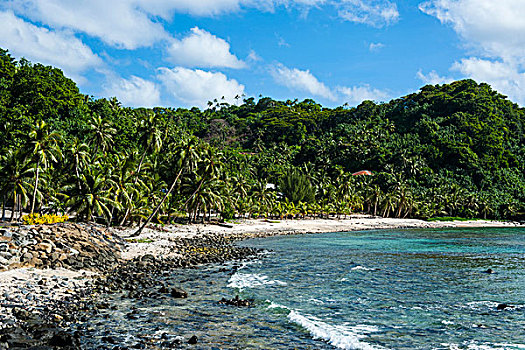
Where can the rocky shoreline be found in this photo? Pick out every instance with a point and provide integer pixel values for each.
(49, 309)
(55, 276)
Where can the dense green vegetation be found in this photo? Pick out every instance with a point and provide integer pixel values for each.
(455, 150)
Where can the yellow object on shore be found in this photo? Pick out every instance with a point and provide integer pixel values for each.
(37, 219)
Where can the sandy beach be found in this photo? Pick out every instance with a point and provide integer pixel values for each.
(157, 240)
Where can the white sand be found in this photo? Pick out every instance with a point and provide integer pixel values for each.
(260, 227)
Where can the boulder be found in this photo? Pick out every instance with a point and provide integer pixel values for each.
(178, 293)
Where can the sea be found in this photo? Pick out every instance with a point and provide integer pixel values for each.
(383, 289)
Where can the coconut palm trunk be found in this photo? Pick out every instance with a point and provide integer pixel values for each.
(13, 209)
(148, 220)
(128, 209)
(35, 189)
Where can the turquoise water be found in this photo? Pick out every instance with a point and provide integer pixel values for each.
(416, 289)
(406, 289)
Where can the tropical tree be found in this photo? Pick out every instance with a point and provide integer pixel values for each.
(187, 155)
(45, 150)
(101, 133)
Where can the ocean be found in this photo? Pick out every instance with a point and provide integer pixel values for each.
(384, 289)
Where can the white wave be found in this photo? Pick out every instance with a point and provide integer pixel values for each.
(276, 306)
(447, 322)
(316, 301)
(482, 304)
(342, 337)
(473, 346)
(249, 280)
(363, 268)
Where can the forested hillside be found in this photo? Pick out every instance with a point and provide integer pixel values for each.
(448, 150)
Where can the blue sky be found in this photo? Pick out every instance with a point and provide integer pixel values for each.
(187, 52)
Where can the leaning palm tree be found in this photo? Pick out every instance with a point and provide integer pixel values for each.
(151, 139)
(187, 155)
(45, 150)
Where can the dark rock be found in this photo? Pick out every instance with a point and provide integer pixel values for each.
(62, 339)
(237, 302)
(178, 293)
(109, 339)
(193, 340)
(502, 306)
(21, 314)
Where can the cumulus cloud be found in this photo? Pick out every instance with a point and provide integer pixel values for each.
(503, 76)
(131, 24)
(134, 92)
(494, 27)
(492, 30)
(376, 13)
(433, 78)
(202, 49)
(196, 87)
(305, 81)
(301, 80)
(118, 23)
(356, 94)
(57, 48)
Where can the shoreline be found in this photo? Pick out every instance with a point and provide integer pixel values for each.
(158, 239)
(26, 291)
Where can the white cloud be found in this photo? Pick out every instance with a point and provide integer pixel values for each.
(134, 92)
(492, 30)
(301, 80)
(376, 13)
(357, 94)
(192, 7)
(433, 78)
(130, 24)
(374, 47)
(202, 49)
(196, 87)
(494, 27)
(120, 23)
(60, 49)
(504, 77)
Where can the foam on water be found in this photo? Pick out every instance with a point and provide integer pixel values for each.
(363, 268)
(251, 280)
(484, 304)
(340, 336)
(473, 346)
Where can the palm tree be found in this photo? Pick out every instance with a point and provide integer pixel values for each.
(14, 179)
(151, 139)
(95, 196)
(77, 154)
(45, 150)
(187, 154)
(101, 133)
